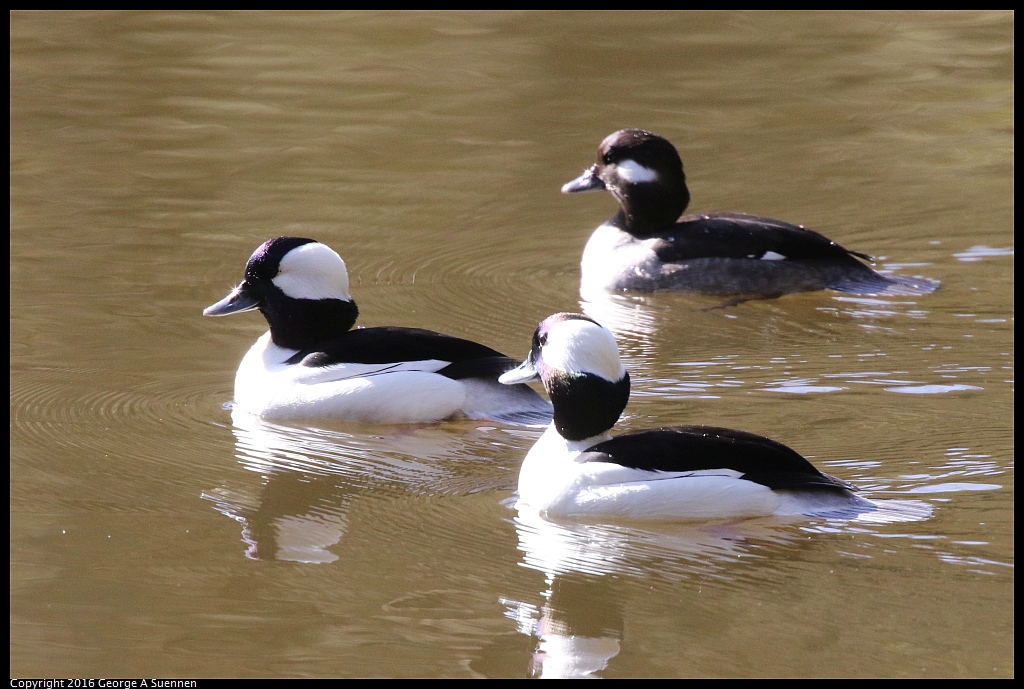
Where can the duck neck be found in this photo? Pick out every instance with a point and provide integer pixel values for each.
(303, 323)
(646, 209)
(575, 447)
(586, 405)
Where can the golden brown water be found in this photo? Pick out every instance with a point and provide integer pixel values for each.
(152, 152)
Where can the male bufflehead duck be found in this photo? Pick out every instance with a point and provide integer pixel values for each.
(647, 245)
(678, 472)
(311, 364)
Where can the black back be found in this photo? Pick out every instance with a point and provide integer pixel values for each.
(694, 448)
(737, 235)
(393, 344)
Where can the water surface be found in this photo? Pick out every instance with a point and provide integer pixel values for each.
(153, 534)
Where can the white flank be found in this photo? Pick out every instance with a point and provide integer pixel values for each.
(408, 392)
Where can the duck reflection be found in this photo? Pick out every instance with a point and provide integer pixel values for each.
(637, 317)
(673, 550)
(578, 628)
(629, 316)
(310, 478)
(296, 518)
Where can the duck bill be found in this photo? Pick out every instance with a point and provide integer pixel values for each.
(588, 181)
(525, 372)
(238, 301)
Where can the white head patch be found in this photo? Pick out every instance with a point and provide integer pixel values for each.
(579, 346)
(632, 171)
(313, 271)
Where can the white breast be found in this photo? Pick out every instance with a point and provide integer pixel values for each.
(613, 260)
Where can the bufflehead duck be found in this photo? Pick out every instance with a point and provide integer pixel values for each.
(680, 472)
(647, 245)
(311, 364)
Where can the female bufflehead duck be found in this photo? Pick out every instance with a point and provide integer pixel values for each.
(678, 472)
(648, 246)
(312, 364)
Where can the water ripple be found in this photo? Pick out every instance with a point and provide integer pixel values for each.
(44, 404)
(315, 482)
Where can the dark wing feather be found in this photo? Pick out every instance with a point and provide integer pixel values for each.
(391, 344)
(480, 367)
(695, 448)
(737, 235)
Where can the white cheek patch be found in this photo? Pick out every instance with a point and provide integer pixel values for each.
(313, 271)
(634, 172)
(578, 346)
(772, 256)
